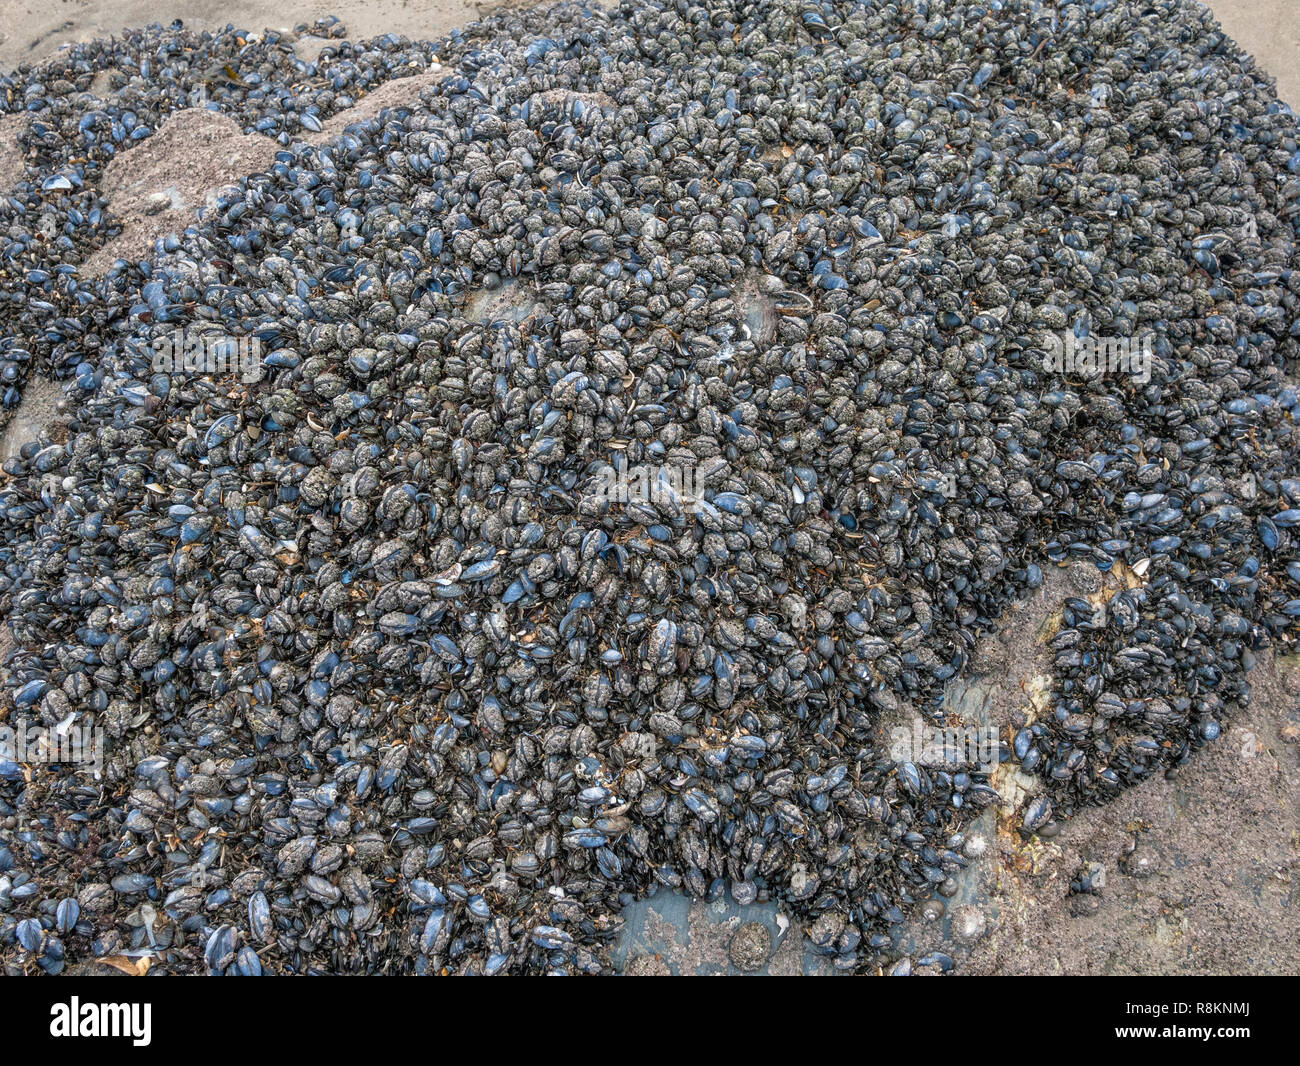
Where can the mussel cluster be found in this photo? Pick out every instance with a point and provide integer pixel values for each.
(390, 682)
